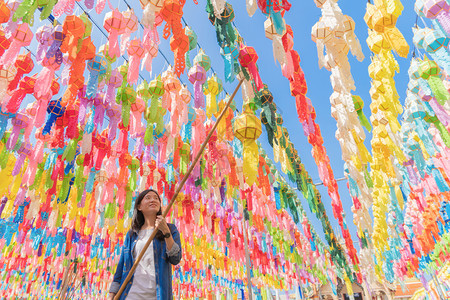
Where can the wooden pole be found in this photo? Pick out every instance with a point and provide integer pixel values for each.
(177, 191)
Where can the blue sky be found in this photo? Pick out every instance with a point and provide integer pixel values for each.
(302, 16)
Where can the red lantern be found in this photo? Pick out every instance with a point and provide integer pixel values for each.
(248, 58)
(24, 65)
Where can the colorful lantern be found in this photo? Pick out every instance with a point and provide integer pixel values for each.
(150, 9)
(197, 76)
(213, 88)
(431, 72)
(248, 58)
(247, 128)
(136, 53)
(21, 37)
(96, 67)
(115, 24)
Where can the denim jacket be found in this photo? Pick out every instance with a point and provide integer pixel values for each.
(163, 264)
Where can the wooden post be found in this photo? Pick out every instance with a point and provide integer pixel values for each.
(177, 191)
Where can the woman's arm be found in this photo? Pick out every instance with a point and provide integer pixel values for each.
(173, 243)
(174, 253)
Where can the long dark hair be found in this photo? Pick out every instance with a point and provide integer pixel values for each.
(138, 217)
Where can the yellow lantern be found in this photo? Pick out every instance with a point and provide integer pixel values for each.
(247, 128)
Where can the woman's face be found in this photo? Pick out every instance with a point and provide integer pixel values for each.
(150, 203)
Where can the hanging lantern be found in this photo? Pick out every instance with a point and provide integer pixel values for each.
(192, 43)
(230, 54)
(213, 88)
(55, 110)
(151, 44)
(150, 9)
(5, 12)
(197, 76)
(24, 64)
(115, 24)
(247, 128)
(131, 25)
(179, 44)
(21, 37)
(96, 67)
(26, 86)
(4, 43)
(6, 76)
(136, 53)
(277, 43)
(248, 58)
(115, 81)
(431, 72)
(203, 60)
(126, 96)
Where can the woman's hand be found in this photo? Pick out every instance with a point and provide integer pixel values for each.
(162, 225)
(111, 296)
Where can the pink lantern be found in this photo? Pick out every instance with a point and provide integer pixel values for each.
(114, 114)
(20, 121)
(136, 52)
(7, 74)
(21, 37)
(131, 25)
(151, 44)
(24, 151)
(45, 77)
(115, 24)
(197, 76)
(115, 81)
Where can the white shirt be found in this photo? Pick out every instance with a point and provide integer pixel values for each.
(144, 282)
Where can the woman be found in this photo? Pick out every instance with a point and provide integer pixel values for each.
(153, 277)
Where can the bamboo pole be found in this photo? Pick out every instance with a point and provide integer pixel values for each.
(177, 191)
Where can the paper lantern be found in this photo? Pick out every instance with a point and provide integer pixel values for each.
(151, 8)
(19, 122)
(115, 81)
(197, 76)
(131, 25)
(230, 54)
(202, 60)
(247, 128)
(179, 44)
(150, 43)
(126, 96)
(435, 44)
(279, 52)
(21, 37)
(248, 58)
(113, 112)
(213, 88)
(26, 86)
(115, 24)
(437, 9)
(55, 110)
(24, 64)
(136, 53)
(431, 72)
(96, 67)
(171, 12)
(192, 43)
(4, 42)
(110, 59)
(7, 74)
(73, 31)
(5, 12)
